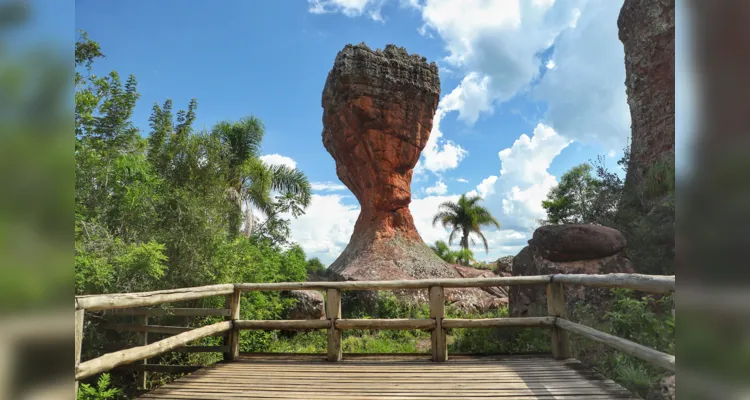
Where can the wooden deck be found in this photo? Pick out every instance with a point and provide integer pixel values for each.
(412, 377)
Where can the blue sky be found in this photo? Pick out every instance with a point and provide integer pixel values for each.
(530, 88)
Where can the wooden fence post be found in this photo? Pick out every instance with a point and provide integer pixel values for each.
(333, 312)
(232, 338)
(437, 312)
(556, 308)
(142, 381)
(79, 340)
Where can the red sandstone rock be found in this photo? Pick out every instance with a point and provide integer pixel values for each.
(378, 108)
(377, 117)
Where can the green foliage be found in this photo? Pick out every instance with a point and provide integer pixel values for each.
(463, 256)
(102, 391)
(316, 267)
(643, 209)
(159, 213)
(465, 217)
(645, 320)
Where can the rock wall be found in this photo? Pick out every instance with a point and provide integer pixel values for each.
(647, 31)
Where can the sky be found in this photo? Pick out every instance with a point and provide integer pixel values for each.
(529, 89)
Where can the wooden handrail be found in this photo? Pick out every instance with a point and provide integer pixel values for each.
(111, 360)
(664, 360)
(127, 300)
(437, 323)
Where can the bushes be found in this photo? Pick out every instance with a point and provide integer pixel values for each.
(645, 320)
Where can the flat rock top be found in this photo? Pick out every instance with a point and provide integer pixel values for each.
(364, 71)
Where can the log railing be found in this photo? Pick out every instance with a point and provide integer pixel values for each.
(437, 324)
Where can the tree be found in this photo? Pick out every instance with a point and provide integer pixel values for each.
(444, 252)
(465, 217)
(251, 181)
(316, 267)
(573, 200)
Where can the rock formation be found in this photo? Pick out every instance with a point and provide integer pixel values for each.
(566, 249)
(308, 304)
(647, 31)
(378, 108)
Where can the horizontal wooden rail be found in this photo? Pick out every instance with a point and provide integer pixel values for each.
(656, 357)
(384, 324)
(525, 322)
(172, 312)
(112, 360)
(292, 324)
(127, 300)
(644, 283)
(403, 284)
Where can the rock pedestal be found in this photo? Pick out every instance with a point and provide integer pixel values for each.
(378, 108)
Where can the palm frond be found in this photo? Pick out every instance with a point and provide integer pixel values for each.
(292, 181)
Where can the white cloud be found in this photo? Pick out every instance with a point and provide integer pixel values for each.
(487, 186)
(585, 92)
(328, 186)
(524, 178)
(325, 229)
(550, 64)
(439, 188)
(462, 180)
(612, 154)
(440, 155)
(500, 49)
(278, 159)
(350, 8)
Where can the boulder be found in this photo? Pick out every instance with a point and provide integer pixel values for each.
(572, 242)
(525, 301)
(378, 109)
(308, 304)
(504, 265)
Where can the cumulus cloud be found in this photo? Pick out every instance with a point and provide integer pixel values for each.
(278, 159)
(462, 180)
(500, 49)
(439, 188)
(524, 178)
(328, 186)
(326, 227)
(440, 154)
(585, 92)
(350, 8)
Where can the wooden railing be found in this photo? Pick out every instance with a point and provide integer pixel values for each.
(556, 320)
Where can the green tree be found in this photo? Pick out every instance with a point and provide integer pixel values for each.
(464, 256)
(444, 252)
(572, 201)
(465, 217)
(251, 181)
(316, 267)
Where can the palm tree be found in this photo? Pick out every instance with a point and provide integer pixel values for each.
(251, 181)
(465, 217)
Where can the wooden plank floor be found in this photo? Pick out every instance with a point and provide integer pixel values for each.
(412, 377)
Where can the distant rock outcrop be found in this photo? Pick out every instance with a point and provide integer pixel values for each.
(566, 249)
(647, 31)
(378, 108)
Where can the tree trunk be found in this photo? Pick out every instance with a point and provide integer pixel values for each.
(465, 246)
